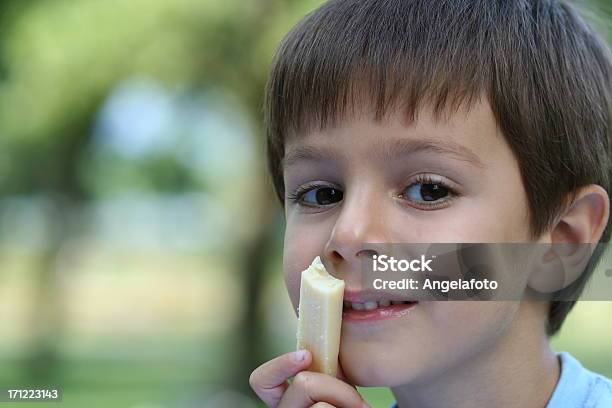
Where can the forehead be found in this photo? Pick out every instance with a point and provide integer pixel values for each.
(468, 134)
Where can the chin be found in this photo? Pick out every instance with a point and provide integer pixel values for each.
(374, 368)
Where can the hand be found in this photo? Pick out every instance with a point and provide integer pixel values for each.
(308, 389)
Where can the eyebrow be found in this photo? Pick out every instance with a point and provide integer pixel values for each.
(393, 149)
(307, 153)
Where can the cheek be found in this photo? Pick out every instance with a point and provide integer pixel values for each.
(486, 219)
(456, 314)
(303, 242)
(504, 210)
(505, 220)
(438, 338)
(293, 260)
(468, 328)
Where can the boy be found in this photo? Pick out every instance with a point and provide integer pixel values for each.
(439, 121)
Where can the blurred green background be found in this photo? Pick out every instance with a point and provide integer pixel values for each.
(140, 240)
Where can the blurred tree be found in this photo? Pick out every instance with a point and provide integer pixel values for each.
(59, 62)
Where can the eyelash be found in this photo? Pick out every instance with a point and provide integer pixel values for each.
(428, 179)
(297, 195)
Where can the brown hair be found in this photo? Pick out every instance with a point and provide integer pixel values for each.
(545, 73)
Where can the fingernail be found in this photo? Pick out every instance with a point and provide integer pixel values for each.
(299, 356)
(365, 405)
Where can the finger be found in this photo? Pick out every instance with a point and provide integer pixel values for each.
(308, 388)
(269, 381)
(322, 405)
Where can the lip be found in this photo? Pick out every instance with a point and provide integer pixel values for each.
(380, 313)
(363, 296)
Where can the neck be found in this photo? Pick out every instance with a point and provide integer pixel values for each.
(520, 369)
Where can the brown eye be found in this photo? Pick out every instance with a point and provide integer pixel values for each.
(426, 192)
(433, 192)
(322, 196)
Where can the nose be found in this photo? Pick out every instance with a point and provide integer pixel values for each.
(359, 224)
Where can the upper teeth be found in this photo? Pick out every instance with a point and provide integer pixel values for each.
(370, 305)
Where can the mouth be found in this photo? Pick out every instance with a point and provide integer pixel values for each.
(373, 310)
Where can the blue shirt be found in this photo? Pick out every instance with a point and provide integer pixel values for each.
(578, 387)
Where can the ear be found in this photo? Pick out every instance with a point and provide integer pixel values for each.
(572, 238)
(586, 218)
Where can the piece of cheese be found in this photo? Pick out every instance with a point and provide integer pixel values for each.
(320, 317)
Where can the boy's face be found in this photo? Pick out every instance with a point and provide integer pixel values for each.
(452, 180)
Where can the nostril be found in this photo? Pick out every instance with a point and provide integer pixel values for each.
(368, 253)
(335, 256)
